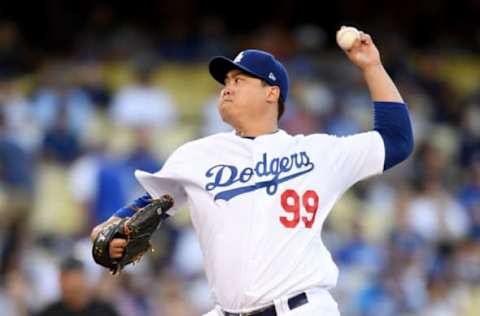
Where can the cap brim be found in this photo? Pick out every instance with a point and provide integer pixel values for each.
(219, 67)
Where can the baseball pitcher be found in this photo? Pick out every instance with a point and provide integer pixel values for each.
(258, 197)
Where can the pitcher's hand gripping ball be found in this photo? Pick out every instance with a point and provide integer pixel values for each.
(136, 230)
(346, 37)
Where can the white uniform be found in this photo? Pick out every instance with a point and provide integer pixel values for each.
(258, 207)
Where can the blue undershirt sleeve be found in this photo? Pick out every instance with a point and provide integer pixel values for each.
(392, 121)
(129, 210)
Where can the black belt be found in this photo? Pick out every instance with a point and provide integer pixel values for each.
(293, 302)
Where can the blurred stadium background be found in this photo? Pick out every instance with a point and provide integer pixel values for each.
(92, 90)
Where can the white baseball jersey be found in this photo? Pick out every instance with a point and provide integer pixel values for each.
(258, 207)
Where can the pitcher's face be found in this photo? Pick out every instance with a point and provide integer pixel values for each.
(243, 97)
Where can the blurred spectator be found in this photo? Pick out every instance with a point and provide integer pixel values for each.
(92, 82)
(76, 297)
(129, 299)
(17, 185)
(110, 193)
(140, 157)
(359, 252)
(340, 123)
(58, 93)
(405, 244)
(171, 298)
(441, 300)
(18, 114)
(406, 254)
(466, 267)
(16, 165)
(470, 135)
(15, 298)
(142, 104)
(469, 196)
(61, 144)
(380, 298)
(188, 263)
(434, 213)
(83, 177)
(307, 107)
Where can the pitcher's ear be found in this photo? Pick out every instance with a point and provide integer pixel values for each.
(273, 94)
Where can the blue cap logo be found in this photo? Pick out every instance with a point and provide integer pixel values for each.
(257, 63)
(238, 58)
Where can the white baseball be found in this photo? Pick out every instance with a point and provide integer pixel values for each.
(346, 36)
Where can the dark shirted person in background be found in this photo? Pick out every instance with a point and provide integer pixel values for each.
(76, 297)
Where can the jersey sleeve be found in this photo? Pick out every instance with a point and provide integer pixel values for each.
(167, 180)
(357, 157)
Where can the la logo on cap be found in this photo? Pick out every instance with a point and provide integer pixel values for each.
(238, 58)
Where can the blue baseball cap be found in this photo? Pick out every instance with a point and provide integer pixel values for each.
(256, 63)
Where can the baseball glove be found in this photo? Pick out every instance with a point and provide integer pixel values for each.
(137, 230)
